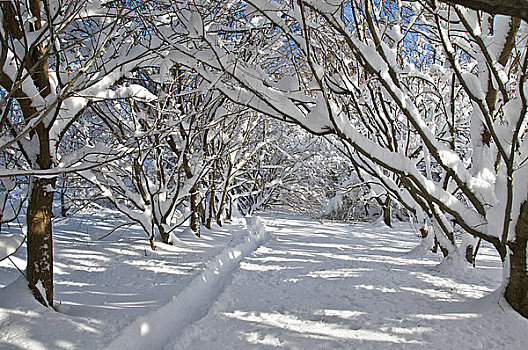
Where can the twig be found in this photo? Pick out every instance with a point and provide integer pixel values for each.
(115, 229)
(15, 265)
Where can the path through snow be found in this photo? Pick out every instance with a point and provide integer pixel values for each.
(116, 290)
(298, 284)
(153, 330)
(335, 286)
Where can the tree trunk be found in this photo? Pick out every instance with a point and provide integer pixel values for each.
(516, 292)
(152, 236)
(223, 199)
(38, 217)
(195, 209)
(39, 240)
(470, 257)
(64, 207)
(163, 235)
(387, 212)
(229, 214)
(437, 245)
(3, 201)
(424, 232)
(63, 201)
(386, 208)
(38, 154)
(212, 204)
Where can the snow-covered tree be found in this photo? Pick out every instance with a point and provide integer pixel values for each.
(294, 169)
(441, 106)
(168, 146)
(57, 58)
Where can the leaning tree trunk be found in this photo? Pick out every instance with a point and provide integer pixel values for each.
(516, 292)
(212, 197)
(39, 232)
(224, 195)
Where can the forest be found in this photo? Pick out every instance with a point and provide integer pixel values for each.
(179, 118)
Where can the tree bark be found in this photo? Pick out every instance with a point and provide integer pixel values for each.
(39, 231)
(40, 204)
(39, 240)
(195, 209)
(516, 292)
(387, 212)
(514, 8)
(163, 235)
(470, 256)
(229, 214)
(152, 236)
(223, 199)
(212, 204)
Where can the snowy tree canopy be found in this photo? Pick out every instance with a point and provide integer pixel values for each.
(430, 97)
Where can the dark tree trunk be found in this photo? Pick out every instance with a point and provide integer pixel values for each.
(387, 212)
(152, 235)
(514, 8)
(40, 203)
(437, 246)
(424, 232)
(516, 292)
(39, 240)
(229, 215)
(39, 232)
(223, 199)
(163, 235)
(195, 209)
(469, 254)
(63, 200)
(64, 207)
(208, 223)
(386, 208)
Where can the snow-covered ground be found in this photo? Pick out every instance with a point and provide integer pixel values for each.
(276, 280)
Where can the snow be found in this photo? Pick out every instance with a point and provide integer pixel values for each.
(9, 243)
(336, 286)
(473, 85)
(272, 280)
(154, 329)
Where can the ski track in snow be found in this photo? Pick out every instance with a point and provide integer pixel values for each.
(152, 331)
(107, 289)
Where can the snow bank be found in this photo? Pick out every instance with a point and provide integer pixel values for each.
(153, 330)
(9, 243)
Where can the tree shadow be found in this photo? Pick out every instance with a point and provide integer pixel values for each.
(356, 287)
(103, 285)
